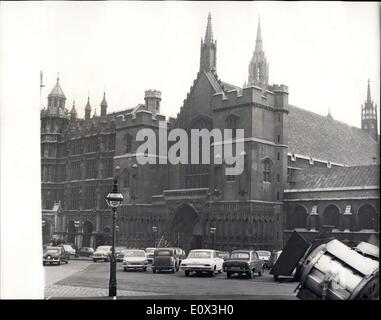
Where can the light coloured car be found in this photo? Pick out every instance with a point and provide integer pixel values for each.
(102, 253)
(149, 254)
(202, 260)
(264, 255)
(134, 260)
(69, 249)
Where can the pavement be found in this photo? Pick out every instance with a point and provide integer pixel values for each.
(84, 279)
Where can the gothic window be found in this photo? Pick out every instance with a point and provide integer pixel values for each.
(331, 216)
(92, 144)
(128, 143)
(198, 175)
(107, 168)
(75, 169)
(126, 179)
(74, 198)
(89, 197)
(232, 123)
(367, 218)
(230, 177)
(111, 142)
(91, 169)
(266, 170)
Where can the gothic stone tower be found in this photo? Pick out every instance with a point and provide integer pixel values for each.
(208, 49)
(369, 116)
(258, 67)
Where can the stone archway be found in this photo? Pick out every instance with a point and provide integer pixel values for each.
(87, 231)
(297, 218)
(331, 216)
(186, 230)
(367, 218)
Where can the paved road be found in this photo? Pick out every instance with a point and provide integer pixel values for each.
(88, 279)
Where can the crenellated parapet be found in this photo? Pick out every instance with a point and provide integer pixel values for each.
(138, 118)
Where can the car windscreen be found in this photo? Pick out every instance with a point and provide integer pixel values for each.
(150, 250)
(134, 253)
(264, 253)
(163, 253)
(200, 254)
(240, 255)
(104, 248)
(52, 250)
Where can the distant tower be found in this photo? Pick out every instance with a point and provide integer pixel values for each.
(152, 99)
(73, 112)
(329, 115)
(208, 49)
(258, 67)
(369, 116)
(88, 109)
(56, 99)
(104, 106)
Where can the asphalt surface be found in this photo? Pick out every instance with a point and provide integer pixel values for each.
(88, 279)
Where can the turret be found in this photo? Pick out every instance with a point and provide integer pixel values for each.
(56, 99)
(104, 106)
(73, 112)
(152, 99)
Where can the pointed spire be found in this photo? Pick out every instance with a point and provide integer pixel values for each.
(95, 113)
(329, 115)
(209, 32)
(104, 102)
(88, 106)
(368, 97)
(73, 111)
(258, 41)
(57, 90)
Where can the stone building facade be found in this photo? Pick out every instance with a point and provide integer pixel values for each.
(184, 202)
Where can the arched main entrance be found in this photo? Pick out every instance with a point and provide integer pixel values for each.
(186, 230)
(87, 230)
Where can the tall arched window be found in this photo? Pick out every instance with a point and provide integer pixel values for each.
(266, 170)
(198, 175)
(297, 218)
(128, 143)
(232, 123)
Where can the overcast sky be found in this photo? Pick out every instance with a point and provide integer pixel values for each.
(324, 52)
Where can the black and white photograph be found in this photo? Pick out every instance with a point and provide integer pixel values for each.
(188, 150)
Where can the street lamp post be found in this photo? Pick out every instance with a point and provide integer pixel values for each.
(154, 229)
(213, 233)
(113, 199)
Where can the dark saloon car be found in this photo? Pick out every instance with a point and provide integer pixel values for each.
(86, 252)
(54, 255)
(243, 262)
(165, 259)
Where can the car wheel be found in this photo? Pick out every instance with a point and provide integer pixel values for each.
(154, 270)
(260, 273)
(95, 260)
(43, 263)
(275, 278)
(187, 272)
(59, 262)
(249, 274)
(228, 274)
(173, 270)
(145, 269)
(124, 269)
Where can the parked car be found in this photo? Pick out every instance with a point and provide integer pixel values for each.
(265, 256)
(118, 250)
(180, 253)
(85, 252)
(121, 254)
(149, 254)
(273, 258)
(243, 262)
(102, 253)
(69, 249)
(223, 254)
(202, 260)
(54, 255)
(165, 259)
(134, 259)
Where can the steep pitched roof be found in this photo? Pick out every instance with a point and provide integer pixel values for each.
(57, 90)
(319, 137)
(336, 177)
